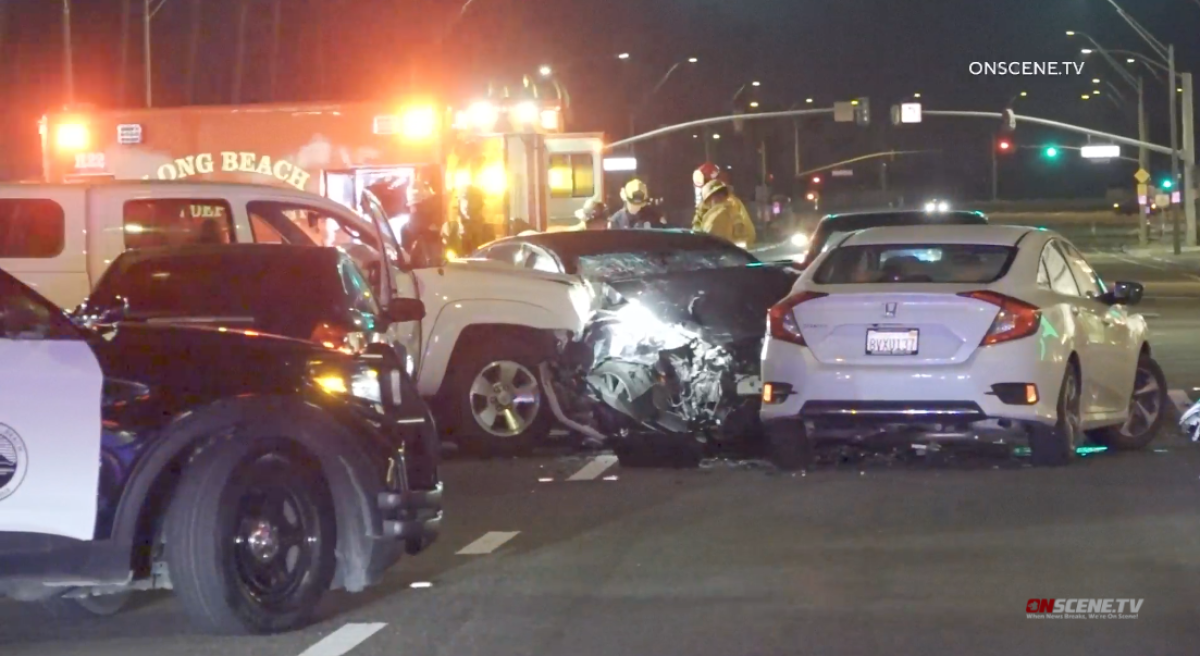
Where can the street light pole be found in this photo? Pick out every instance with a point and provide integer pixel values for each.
(149, 69)
(995, 174)
(1143, 157)
(1176, 227)
(68, 55)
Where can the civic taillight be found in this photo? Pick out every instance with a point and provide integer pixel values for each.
(781, 319)
(339, 338)
(1016, 319)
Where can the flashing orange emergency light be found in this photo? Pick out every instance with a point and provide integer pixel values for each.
(72, 137)
(418, 123)
(525, 113)
(551, 120)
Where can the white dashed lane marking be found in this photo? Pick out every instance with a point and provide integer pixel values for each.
(593, 469)
(490, 542)
(344, 639)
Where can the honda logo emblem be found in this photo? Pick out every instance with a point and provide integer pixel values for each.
(889, 310)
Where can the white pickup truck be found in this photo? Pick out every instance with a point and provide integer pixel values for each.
(475, 355)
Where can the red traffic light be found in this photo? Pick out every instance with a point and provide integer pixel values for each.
(816, 179)
(1004, 145)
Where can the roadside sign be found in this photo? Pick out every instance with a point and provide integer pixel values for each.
(1162, 200)
(1143, 190)
(842, 173)
(1105, 151)
(1175, 200)
(843, 112)
(910, 113)
(1142, 199)
(1141, 176)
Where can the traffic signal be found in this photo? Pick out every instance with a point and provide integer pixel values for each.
(1051, 152)
(1004, 145)
(816, 179)
(862, 111)
(1167, 184)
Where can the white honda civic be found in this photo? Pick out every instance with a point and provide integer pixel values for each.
(960, 332)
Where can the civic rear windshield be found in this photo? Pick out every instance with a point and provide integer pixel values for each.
(915, 263)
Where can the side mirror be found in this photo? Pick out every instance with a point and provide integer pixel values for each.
(400, 310)
(1124, 293)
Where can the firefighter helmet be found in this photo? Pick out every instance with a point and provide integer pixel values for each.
(707, 171)
(635, 192)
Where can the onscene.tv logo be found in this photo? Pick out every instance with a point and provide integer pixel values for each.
(1091, 608)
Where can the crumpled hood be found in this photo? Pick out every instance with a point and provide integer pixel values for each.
(728, 304)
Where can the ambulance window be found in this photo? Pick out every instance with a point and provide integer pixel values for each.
(31, 228)
(572, 176)
(156, 222)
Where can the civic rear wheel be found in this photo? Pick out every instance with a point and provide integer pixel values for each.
(1055, 447)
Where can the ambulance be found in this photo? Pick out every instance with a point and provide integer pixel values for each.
(533, 174)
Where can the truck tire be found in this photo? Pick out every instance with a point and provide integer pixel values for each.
(250, 537)
(494, 401)
(1055, 446)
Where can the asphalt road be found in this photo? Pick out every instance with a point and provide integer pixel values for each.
(861, 556)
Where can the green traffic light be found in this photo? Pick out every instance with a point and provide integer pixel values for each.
(1167, 184)
(1051, 152)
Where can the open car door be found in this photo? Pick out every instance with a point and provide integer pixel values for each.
(50, 430)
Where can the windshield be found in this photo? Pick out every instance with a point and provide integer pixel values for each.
(891, 263)
(622, 266)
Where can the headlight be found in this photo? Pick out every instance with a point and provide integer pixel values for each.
(799, 240)
(355, 379)
(943, 206)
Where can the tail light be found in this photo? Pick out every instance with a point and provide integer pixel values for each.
(339, 338)
(1016, 319)
(781, 322)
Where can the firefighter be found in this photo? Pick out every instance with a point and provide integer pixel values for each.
(468, 231)
(637, 212)
(592, 216)
(421, 235)
(707, 172)
(724, 215)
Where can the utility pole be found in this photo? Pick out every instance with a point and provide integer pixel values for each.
(1189, 160)
(68, 55)
(123, 78)
(1176, 222)
(239, 65)
(995, 174)
(796, 148)
(149, 67)
(276, 35)
(1143, 158)
(193, 51)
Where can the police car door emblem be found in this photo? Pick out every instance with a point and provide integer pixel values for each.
(889, 310)
(14, 460)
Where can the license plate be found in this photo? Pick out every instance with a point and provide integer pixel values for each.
(892, 342)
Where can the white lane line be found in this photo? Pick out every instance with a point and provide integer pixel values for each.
(593, 469)
(344, 639)
(1180, 398)
(490, 542)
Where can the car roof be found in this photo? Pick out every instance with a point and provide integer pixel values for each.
(906, 216)
(577, 243)
(265, 252)
(992, 235)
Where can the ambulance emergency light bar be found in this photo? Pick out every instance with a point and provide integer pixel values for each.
(522, 116)
(417, 123)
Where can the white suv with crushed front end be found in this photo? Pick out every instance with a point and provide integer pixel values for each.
(961, 332)
(475, 355)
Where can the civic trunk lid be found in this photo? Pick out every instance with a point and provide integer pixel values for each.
(895, 324)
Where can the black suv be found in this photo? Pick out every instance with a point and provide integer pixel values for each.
(250, 473)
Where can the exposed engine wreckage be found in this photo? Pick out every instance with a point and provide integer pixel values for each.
(673, 363)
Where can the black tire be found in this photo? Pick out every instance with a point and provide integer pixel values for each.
(788, 444)
(1055, 447)
(1140, 431)
(485, 359)
(86, 608)
(218, 575)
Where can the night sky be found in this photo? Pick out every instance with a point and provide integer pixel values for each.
(827, 50)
